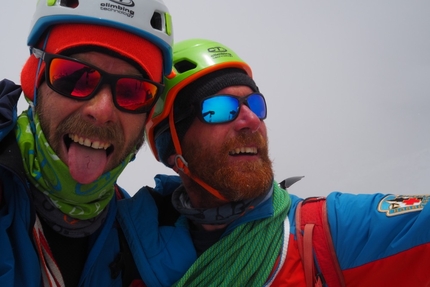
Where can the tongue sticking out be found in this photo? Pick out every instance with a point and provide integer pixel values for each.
(86, 164)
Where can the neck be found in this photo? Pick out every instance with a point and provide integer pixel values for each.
(209, 227)
(213, 218)
(199, 196)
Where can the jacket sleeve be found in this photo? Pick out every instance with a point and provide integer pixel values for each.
(9, 95)
(162, 253)
(380, 239)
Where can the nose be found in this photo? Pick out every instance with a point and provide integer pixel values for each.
(247, 119)
(101, 109)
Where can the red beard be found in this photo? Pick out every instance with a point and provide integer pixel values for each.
(235, 181)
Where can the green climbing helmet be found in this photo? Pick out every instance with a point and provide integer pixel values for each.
(192, 59)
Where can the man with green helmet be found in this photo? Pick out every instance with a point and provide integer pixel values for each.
(229, 223)
(94, 73)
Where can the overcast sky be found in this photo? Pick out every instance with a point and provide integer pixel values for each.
(346, 82)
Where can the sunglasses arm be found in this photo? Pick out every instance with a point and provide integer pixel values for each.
(39, 54)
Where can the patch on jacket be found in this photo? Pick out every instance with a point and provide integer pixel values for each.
(398, 204)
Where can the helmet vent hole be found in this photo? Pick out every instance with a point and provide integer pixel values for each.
(156, 21)
(184, 66)
(69, 3)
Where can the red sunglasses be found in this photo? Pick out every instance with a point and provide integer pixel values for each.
(81, 81)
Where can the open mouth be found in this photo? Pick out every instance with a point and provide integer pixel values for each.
(244, 151)
(97, 145)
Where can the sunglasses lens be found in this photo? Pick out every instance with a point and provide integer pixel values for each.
(225, 108)
(220, 109)
(71, 78)
(135, 94)
(257, 105)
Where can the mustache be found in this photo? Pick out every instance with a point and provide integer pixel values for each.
(76, 125)
(246, 139)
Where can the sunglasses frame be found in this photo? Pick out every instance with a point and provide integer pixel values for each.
(241, 100)
(105, 78)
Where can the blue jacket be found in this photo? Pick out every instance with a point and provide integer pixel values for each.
(373, 236)
(163, 253)
(19, 261)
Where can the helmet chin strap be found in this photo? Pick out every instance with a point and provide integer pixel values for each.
(182, 164)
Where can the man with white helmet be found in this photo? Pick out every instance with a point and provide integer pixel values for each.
(95, 71)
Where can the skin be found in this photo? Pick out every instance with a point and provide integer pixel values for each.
(96, 121)
(204, 144)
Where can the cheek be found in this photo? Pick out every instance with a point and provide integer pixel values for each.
(53, 108)
(132, 124)
(206, 136)
(263, 129)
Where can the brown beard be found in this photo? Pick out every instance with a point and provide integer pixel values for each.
(74, 124)
(235, 182)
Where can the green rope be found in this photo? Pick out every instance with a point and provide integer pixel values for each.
(247, 255)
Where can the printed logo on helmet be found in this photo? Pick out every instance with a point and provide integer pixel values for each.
(118, 8)
(217, 49)
(129, 3)
(219, 52)
(399, 204)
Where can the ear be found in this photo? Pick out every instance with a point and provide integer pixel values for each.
(171, 162)
(29, 77)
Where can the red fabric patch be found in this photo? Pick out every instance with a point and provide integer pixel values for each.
(292, 273)
(408, 268)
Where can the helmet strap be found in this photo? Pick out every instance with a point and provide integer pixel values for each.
(182, 164)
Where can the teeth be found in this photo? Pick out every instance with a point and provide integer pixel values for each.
(97, 145)
(87, 142)
(244, 150)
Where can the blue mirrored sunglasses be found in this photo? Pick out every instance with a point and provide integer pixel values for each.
(219, 109)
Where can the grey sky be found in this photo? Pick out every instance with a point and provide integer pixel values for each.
(347, 85)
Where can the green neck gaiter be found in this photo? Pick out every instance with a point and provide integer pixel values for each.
(51, 176)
